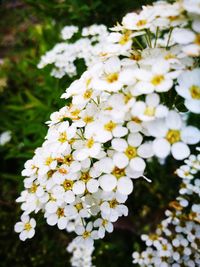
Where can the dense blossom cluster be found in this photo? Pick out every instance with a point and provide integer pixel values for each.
(119, 117)
(82, 255)
(176, 240)
(64, 55)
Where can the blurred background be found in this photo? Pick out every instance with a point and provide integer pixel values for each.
(28, 96)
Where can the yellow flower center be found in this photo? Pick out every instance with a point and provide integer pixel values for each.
(75, 112)
(105, 222)
(195, 92)
(90, 143)
(79, 206)
(157, 79)
(110, 126)
(88, 94)
(149, 111)
(173, 136)
(169, 56)
(109, 108)
(125, 38)
(33, 167)
(62, 137)
(71, 141)
(153, 237)
(50, 173)
(127, 97)
(86, 234)
(27, 227)
(113, 77)
(141, 22)
(67, 184)
(117, 172)
(62, 171)
(131, 152)
(48, 161)
(136, 119)
(113, 203)
(197, 39)
(136, 56)
(88, 119)
(68, 159)
(186, 173)
(164, 247)
(33, 188)
(85, 177)
(60, 212)
(51, 198)
(173, 18)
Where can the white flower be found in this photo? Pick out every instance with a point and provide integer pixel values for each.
(189, 88)
(110, 78)
(77, 208)
(30, 202)
(86, 148)
(184, 172)
(172, 135)
(133, 21)
(113, 208)
(5, 137)
(89, 179)
(68, 187)
(158, 79)
(30, 167)
(86, 234)
(104, 129)
(118, 105)
(26, 227)
(150, 109)
(103, 226)
(58, 138)
(193, 162)
(44, 161)
(189, 40)
(57, 217)
(131, 152)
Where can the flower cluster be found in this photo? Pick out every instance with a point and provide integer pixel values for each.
(121, 113)
(64, 55)
(82, 256)
(176, 240)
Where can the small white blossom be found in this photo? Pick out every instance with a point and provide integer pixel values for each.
(26, 227)
(5, 137)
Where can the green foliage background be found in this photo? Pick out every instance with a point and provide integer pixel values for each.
(27, 30)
